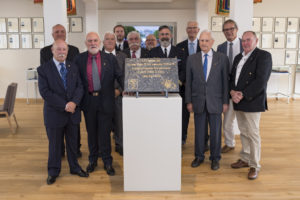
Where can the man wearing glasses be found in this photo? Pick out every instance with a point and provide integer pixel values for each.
(231, 48)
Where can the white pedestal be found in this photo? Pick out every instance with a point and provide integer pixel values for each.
(152, 143)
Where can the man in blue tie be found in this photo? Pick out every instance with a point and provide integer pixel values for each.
(206, 94)
(61, 88)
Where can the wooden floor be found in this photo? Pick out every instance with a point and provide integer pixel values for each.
(23, 164)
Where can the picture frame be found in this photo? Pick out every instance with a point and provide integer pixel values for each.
(13, 41)
(25, 25)
(12, 25)
(217, 24)
(299, 58)
(267, 24)
(267, 40)
(2, 25)
(290, 57)
(256, 24)
(280, 24)
(38, 41)
(3, 41)
(292, 24)
(291, 40)
(76, 24)
(37, 25)
(279, 40)
(26, 41)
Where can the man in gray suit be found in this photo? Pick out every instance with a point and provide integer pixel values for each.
(231, 48)
(206, 94)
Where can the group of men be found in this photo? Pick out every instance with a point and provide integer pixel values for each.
(231, 81)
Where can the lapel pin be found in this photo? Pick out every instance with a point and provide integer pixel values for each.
(250, 73)
(104, 64)
(69, 65)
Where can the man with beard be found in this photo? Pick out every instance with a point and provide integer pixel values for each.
(98, 72)
(121, 44)
(109, 47)
(135, 50)
(151, 42)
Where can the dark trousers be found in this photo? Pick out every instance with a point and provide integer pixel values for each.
(55, 148)
(215, 124)
(78, 142)
(118, 122)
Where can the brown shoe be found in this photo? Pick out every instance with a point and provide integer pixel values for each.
(226, 149)
(239, 164)
(253, 173)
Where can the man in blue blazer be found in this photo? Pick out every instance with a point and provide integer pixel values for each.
(61, 88)
(231, 48)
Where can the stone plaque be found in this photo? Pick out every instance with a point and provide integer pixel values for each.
(151, 75)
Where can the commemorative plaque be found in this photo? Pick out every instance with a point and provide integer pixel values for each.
(151, 75)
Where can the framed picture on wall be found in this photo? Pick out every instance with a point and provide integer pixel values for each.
(279, 40)
(290, 57)
(256, 24)
(76, 24)
(267, 24)
(292, 24)
(38, 25)
(216, 23)
(280, 24)
(2, 25)
(291, 40)
(266, 40)
(26, 41)
(13, 25)
(38, 41)
(13, 41)
(25, 25)
(3, 41)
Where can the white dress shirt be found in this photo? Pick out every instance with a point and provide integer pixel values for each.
(113, 52)
(122, 45)
(236, 48)
(168, 49)
(241, 64)
(209, 61)
(137, 53)
(195, 44)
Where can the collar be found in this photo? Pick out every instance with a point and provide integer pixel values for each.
(210, 53)
(137, 51)
(235, 41)
(195, 42)
(249, 54)
(97, 55)
(57, 63)
(168, 48)
(121, 43)
(113, 52)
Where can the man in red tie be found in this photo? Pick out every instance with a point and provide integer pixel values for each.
(135, 50)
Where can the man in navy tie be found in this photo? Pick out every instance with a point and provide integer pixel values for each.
(61, 88)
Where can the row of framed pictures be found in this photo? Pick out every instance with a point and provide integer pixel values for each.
(279, 40)
(264, 24)
(34, 25)
(24, 41)
(292, 57)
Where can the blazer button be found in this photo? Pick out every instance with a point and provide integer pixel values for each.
(246, 82)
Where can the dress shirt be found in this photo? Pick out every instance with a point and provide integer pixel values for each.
(168, 50)
(122, 45)
(113, 52)
(89, 70)
(137, 53)
(241, 64)
(195, 44)
(209, 61)
(236, 48)
(58, 66)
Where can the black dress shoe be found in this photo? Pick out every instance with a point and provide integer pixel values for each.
(81, 173)
(215, 165)
(197, 161)
(109, 170)
(91, 167)
(51, 179)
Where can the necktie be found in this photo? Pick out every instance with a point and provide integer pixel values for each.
(166, 53)
(63, 72)
(205, 66)
(191, 49)
(133, 55)
(230, 55)
(95, 74)
(119, 47)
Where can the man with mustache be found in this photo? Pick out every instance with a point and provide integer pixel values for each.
(135, 50)
(61, 88)
(121, 43)
(98, 71)
(151, 42)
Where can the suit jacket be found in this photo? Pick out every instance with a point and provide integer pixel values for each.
(46, 53)
(214, 92)
(109, 72)
(184, 46)
(56, 97)
(252, 81)
(144, 53)
(125, 46)
(121, 63)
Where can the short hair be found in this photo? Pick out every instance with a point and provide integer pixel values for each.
(53, 27)
(133, 32)
(253, 33)
(119, 25)
(230, 21)
(209, 32)
(109, 32)
(164, 27)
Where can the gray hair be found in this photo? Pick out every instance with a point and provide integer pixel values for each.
(209, 32)
(132, 33)
(109, 33)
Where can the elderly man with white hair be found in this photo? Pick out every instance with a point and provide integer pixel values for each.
(135, 50)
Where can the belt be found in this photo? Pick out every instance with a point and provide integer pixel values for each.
(95, 94)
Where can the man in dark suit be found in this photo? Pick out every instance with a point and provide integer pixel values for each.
(231, 48)
(61, 88)
(121, 43)
(59, 32)
(109, 47)
(248, 85)
(207, 96)
(98, 72)
(135, 50)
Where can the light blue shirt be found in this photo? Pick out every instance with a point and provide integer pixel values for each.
(58, 66)
(195, 44)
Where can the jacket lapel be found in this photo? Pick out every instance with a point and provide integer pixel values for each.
(214, 64)
(201, 66)
(56, 74)
(103, 66)
(245, 69)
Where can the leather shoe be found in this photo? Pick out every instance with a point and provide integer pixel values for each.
(196, 162)
(215, 165)
(119, 150)
(226, 149)
(91, 167)
(253, 173)
(239, 164)
(81, 173)
(109, 170)
(51, 179)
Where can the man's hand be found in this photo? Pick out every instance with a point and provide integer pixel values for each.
(236, 96)
(225, 108)
(70, 107)
(117, 92)
(189, 107)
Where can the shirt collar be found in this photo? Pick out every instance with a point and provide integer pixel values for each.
(121, 43)
(195, 41)
(97, 55)
(57, 63)
(235, 41)
(137, 51)
(249, 54)
(113, 52)
(168, 48)
(210, 53)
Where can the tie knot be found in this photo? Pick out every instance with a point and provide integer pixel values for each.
(191, 44)
(62, 64)
(206, 55)
(230, 43)
(93, 57)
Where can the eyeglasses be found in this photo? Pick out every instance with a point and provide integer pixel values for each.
(228, 29)
(190, 28)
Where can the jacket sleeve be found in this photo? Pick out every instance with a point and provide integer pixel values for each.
(188, 85)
